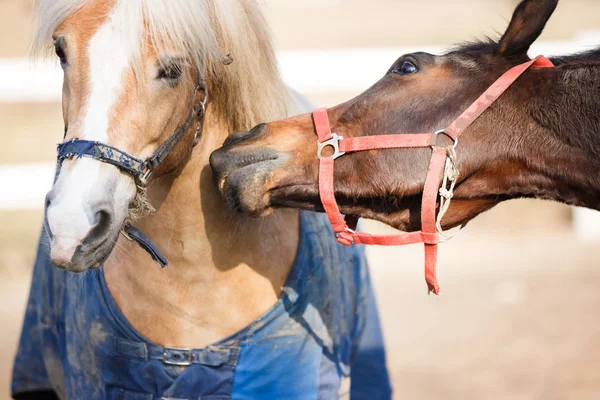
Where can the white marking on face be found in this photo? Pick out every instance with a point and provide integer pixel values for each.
(86, 186)
(109, 59)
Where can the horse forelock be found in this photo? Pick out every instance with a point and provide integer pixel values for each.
(209, 33)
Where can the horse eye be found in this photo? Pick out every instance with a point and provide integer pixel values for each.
(60, 53)
(407, 68)
(170, 72)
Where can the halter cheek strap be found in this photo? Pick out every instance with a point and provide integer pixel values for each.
(141, 170)
(441, 164)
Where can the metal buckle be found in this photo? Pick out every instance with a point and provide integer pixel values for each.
(346, 230)
(350, 231)
(146, 176)
(333, 142)
(181, 357)
(443, 132)
(126, 235)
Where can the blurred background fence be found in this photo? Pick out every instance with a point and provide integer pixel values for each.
(518, 318)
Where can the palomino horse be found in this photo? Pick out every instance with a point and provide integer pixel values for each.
(536, 140)
(245, 308)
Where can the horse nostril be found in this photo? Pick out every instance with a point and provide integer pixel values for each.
(47, 202)
(101, 228)
(48, 199)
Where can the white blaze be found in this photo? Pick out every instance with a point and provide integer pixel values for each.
(86, 186)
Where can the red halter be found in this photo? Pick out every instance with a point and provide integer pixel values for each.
(428, 234)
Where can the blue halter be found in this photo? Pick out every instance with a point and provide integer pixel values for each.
(141, 170)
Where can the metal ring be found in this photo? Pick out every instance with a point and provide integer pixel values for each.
(202, 87)
(334, 142)
(200, 111)
(443, 132)
(205, 101)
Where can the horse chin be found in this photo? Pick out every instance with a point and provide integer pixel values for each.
(92, 252)
(86, 258)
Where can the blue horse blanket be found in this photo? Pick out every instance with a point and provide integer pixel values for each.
(325, 327)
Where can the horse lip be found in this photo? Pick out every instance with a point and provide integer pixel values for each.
(223, 180)
(223, 168)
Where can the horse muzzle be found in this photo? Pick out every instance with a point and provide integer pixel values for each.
(242, 174)
(80, 238)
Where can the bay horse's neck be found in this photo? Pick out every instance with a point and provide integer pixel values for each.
(568, 109)
(549, 130)
(224, 270)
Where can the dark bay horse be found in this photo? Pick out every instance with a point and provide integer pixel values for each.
(537, 140)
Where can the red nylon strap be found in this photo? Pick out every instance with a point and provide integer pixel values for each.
(322, 126)
(428, 207)
(397, 239)
(491, 95)
(327, 195)
(414, 140)
(349, 145)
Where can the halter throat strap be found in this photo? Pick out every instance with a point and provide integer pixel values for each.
(197, 113)
(442, 160)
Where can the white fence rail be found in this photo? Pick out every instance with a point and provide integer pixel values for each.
(309, 72)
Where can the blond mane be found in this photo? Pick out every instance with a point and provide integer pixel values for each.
(247, 91)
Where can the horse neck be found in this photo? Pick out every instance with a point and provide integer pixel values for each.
(197, 232)
(553, 139)
(569, 111)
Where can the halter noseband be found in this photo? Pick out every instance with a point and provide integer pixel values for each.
(141, 170)
(442, 166)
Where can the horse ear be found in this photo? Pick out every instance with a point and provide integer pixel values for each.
(526, 25)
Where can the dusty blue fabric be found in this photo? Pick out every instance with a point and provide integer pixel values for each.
(76, 342)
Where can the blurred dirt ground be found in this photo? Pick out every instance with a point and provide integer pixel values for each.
(517, 319)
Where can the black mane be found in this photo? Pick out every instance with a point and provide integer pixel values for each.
(583, 57)
(476, 47)
(490, 46)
